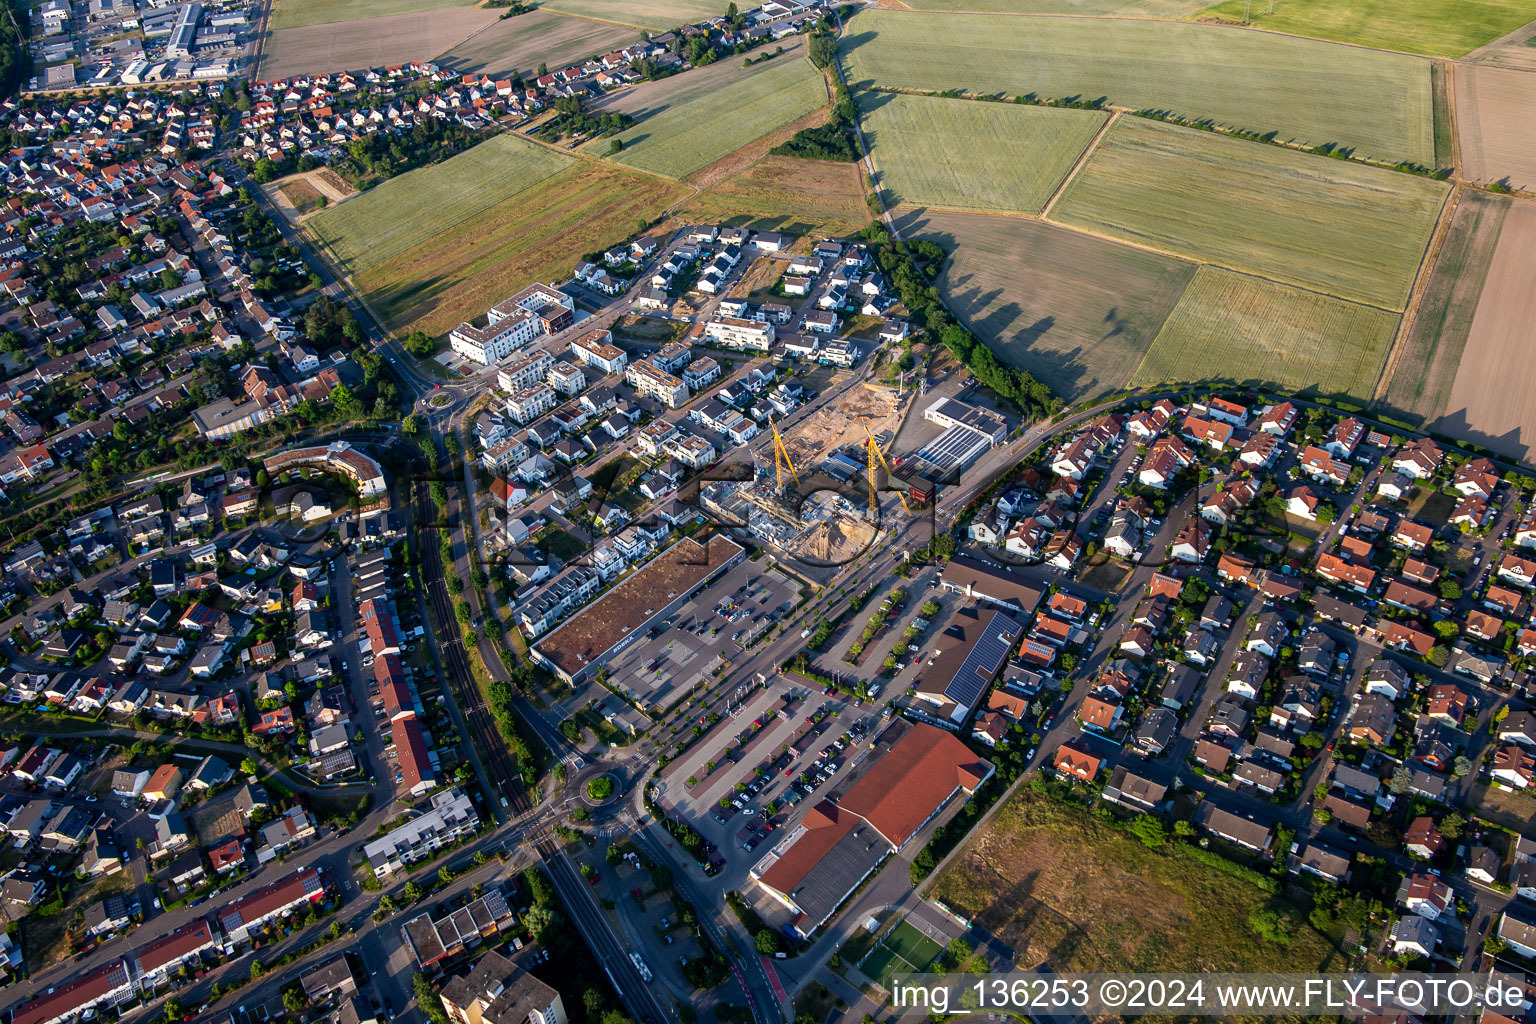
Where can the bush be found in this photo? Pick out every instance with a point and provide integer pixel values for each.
(600, 788)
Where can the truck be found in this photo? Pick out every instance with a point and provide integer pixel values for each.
(641, 967)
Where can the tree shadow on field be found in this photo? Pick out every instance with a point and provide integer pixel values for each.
(1458, 426)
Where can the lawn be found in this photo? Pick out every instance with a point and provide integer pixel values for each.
(1232, 327)
(1436, 28)
(912, 945)
(1064, 889)
(690, 121)
(655, 15)
(537, 234)
(784, 193)
(1420, 388)
(299, 13)
(1337, 227)
(1077, 311)
(967, 155)
(373, 227)
(1301, 89)
(528, 40)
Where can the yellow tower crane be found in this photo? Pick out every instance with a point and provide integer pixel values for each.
(876, 455)
(782, 461)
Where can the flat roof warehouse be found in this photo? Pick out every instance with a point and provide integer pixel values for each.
(606, 626)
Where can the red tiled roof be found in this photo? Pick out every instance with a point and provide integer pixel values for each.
(903, 789)
(825, 827)
(174, 945)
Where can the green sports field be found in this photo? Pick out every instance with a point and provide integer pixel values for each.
(904, 950)
(1234, 328)
(965, 155)
(692, 120)
(1436, 28)
(1333, 226)
(373, 227)
(1304, 90)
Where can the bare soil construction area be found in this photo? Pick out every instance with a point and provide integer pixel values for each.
(302, 193)
(1495, 109)
(373, 42)
(843, 423)
(1493, 401)
(834, 542)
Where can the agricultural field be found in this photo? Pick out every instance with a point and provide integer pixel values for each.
(536, 234)
(376, 42)
(1061, 887)
(1493, 401)
(1235, 328)
(1120, 8)
(1435, 28)
(1078, 312)
(299, 13)
(966, 155)
(1431, 349)
(1338, 227)
(783, 193)
(377, 225)
(1495, 109)
(1303, 90)
(689, 121)
(528, 40)
(652, 15)
(1516, 50)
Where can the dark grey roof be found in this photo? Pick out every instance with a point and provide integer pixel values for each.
(839, 871)
(986, 658)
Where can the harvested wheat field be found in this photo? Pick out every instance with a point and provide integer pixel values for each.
(528, 40)
(1336, 227)
(1493, 401)
(843, 423)
(1121, 8)
(375, 42)
(1431, 349)
(1065, 890)
(537, 234)
(1496, 112)
(288, 14)
(653, 15)
(784, 193)
(1076, 311)
(1377, 103)
(962, 155)
(1515, 50)
(1240, 329)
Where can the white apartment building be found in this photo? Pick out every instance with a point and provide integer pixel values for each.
(451, 818)
(530, 403)
(657, 384)
(597, 350)
(513, 323)
(525, 370)
(566, 378)
(735, 333)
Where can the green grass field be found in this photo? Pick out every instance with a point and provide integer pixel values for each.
(1077, 311)
(655, 15)
(299, 13)
(371, 228)
(1436, 28)
(1236, 328)
(967, 155)
(1376, 103)
(709, 114)
(1331, 225)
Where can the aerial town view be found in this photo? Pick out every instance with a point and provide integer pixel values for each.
(679, 512)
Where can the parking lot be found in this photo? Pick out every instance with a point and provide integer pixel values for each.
(706, 633)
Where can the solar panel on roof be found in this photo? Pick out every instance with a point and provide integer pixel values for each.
(983, 662)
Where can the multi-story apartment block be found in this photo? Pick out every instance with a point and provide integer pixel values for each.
(597, 350)
(735, 333)
(530, 403)
(451, 818)
(525, 370)
(657, 384)
(566, 379)
(513, 323)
